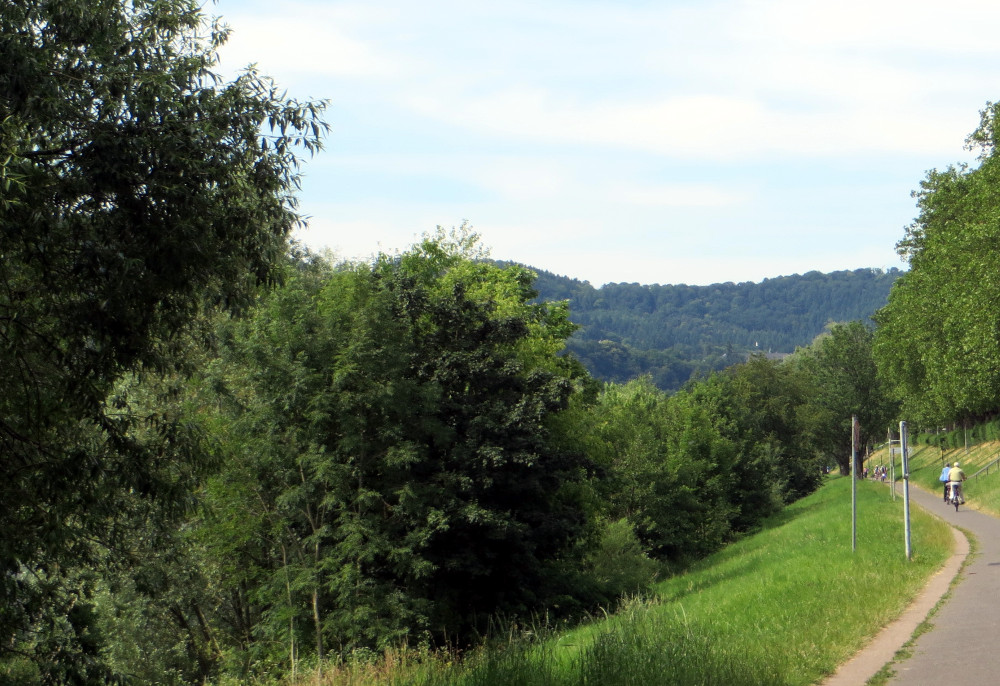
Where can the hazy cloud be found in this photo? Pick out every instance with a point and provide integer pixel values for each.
(606, 128)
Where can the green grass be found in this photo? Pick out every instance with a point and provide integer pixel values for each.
(783, 607)
(981, 493)
(791, 603)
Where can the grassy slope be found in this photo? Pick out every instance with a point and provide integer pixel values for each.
(785, 606)
(794, 601)
(982, 493)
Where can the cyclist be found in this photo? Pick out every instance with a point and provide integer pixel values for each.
(944, 478)
(955, 477)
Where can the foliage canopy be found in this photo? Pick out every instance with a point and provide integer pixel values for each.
(136, 190)
(938, 338)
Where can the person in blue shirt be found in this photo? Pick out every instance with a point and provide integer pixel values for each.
(944, 479)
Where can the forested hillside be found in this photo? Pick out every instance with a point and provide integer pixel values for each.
(675, 331)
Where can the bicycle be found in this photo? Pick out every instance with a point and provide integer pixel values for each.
(954, 494)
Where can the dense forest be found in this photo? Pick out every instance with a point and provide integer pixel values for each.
(674, 332)
(226, 459)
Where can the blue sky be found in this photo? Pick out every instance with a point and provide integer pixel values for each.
(680, 141)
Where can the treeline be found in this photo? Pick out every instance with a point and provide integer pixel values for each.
(676, 332)
(938, 339)
(391, 453)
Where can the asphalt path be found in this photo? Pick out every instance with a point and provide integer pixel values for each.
(963, 642)
(963, 646)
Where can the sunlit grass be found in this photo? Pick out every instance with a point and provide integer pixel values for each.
(982, 493)
(785, 606)
(794, 601)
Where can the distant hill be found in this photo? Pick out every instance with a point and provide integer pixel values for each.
(674, 332)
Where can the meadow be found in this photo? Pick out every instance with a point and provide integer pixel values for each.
(785, 606)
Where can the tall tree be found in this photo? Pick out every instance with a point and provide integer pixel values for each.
(758, 406)
(678, 468)
(390, 429)
(937, 342)
(136, 189)
(842, 367)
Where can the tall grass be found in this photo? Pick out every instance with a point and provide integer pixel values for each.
(783, 607)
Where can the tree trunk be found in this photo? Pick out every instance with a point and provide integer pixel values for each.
(291, 615)
(319, 631)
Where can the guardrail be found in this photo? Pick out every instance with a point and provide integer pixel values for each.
(995, 464)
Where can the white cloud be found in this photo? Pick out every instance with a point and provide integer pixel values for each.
(521, 178)
(629, 141)
(957, 26)
(696, 126)
(781, 77)
(302, 39)
(678, 195)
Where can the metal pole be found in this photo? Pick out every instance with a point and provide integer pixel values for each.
(903, 443)
(888, 442)
(854, 482)
(892, 473)
(892, 470)
(892, 465)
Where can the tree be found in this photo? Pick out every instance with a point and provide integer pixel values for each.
(667, 467)
(843, 369)
(389, 440)
(756, 407)
(626, 436)
(136, 190)
(937, 342)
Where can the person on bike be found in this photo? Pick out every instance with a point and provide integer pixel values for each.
(955, 477)
(944, 478)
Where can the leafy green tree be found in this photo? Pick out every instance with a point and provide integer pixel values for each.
(136, 189)
(390, 452)
(159, 615)
(618, 563)
(757, 487)
(936, 344)
(702, 458)
(665, 468)
(842, 367)
(625, 437)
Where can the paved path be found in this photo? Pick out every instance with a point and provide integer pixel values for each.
(965, 636)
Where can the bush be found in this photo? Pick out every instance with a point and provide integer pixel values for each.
(619, 564)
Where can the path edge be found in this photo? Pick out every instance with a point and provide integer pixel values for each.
(882, 649)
